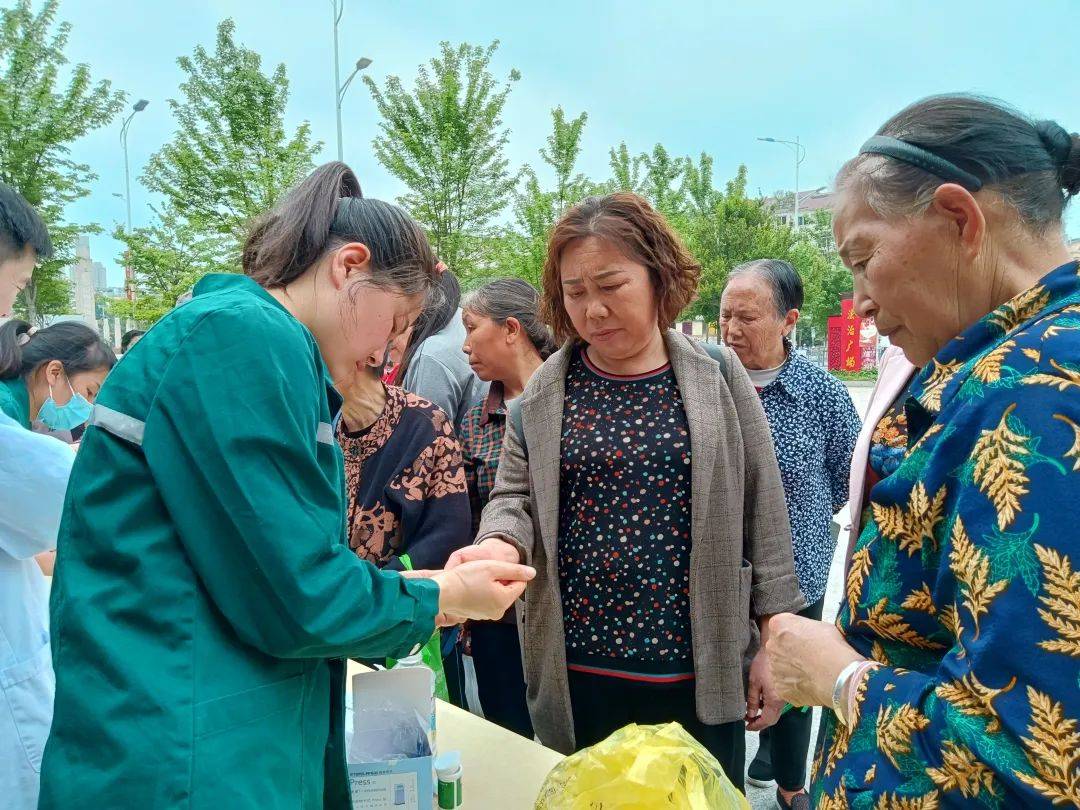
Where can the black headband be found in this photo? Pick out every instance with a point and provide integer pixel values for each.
(921, 158)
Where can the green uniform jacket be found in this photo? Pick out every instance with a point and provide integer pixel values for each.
(15, 401)
(204, 595)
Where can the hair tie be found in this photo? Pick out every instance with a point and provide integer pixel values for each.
(440, 268)
(24, 338)
(1056, 139)
(921, 158)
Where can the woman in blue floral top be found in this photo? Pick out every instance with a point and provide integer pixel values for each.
(954, 668)
(814, 425)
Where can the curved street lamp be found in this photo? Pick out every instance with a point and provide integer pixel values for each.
(337, 8)
(360, 65)
(800, 156)
(138, 107)
(129, 280)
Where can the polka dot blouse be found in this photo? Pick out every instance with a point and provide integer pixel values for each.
(624, 523)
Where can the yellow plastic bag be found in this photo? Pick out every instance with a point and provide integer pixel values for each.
(641, 768)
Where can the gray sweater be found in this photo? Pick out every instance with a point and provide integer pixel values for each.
(440, 372)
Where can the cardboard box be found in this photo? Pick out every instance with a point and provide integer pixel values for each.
(389, 750)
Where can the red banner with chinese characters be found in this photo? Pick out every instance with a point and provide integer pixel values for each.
(835, 342)
(852, 341)
(851, 351)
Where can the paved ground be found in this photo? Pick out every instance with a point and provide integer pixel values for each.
(760, 798)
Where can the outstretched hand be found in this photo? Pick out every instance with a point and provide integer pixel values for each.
(477, 589)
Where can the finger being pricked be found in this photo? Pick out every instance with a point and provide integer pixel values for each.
(463, 555)
(513, 590)
(506, 572)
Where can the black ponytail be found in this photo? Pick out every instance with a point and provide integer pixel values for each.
(327, 210)
(78, 348)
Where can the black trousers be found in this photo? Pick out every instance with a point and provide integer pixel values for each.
(454, 667)
(500, 680)
(602, 705)
(787, 743)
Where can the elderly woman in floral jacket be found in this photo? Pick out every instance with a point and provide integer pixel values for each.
(952, 671)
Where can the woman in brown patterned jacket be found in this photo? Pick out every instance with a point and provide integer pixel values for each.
(404, 474)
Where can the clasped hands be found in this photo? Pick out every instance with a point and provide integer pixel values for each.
(479, 582)
(798, 662)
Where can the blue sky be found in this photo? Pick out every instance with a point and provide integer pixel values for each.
(693, 75)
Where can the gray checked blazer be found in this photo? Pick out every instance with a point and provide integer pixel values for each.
(741, 563)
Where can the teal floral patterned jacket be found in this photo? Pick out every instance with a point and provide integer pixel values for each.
(965, 584)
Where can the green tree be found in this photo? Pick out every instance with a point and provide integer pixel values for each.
(522, 249)
(167, 258)
(445, 141)
(625, 170)
(727, 228)
(40, 117)
(824, 276)
(232, 157)
(698, 184)
(561, 154)
(662, 183)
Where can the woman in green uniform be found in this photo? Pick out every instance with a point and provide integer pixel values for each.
(204, 597)
(51, 374)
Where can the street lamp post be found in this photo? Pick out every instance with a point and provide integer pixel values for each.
(337, 8)
(800, 156)
(138, 107)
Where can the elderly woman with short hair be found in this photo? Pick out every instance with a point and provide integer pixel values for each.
(814, 426)
(645, 490)
(952, 671)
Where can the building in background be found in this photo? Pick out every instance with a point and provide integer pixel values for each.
(1074, 248)
(90, 283)
(810, 202)
(101, 281)
(83, 288)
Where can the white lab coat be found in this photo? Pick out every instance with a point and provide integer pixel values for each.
(34, 472)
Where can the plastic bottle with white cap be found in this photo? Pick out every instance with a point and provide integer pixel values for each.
(449, 770)
(416, 661)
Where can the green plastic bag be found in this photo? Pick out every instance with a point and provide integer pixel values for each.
(641, 768)
(431, 653)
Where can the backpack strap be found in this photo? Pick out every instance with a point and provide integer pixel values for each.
(717, 353)
(513, 415)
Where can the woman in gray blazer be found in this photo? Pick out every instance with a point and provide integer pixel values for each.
(646, 493)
